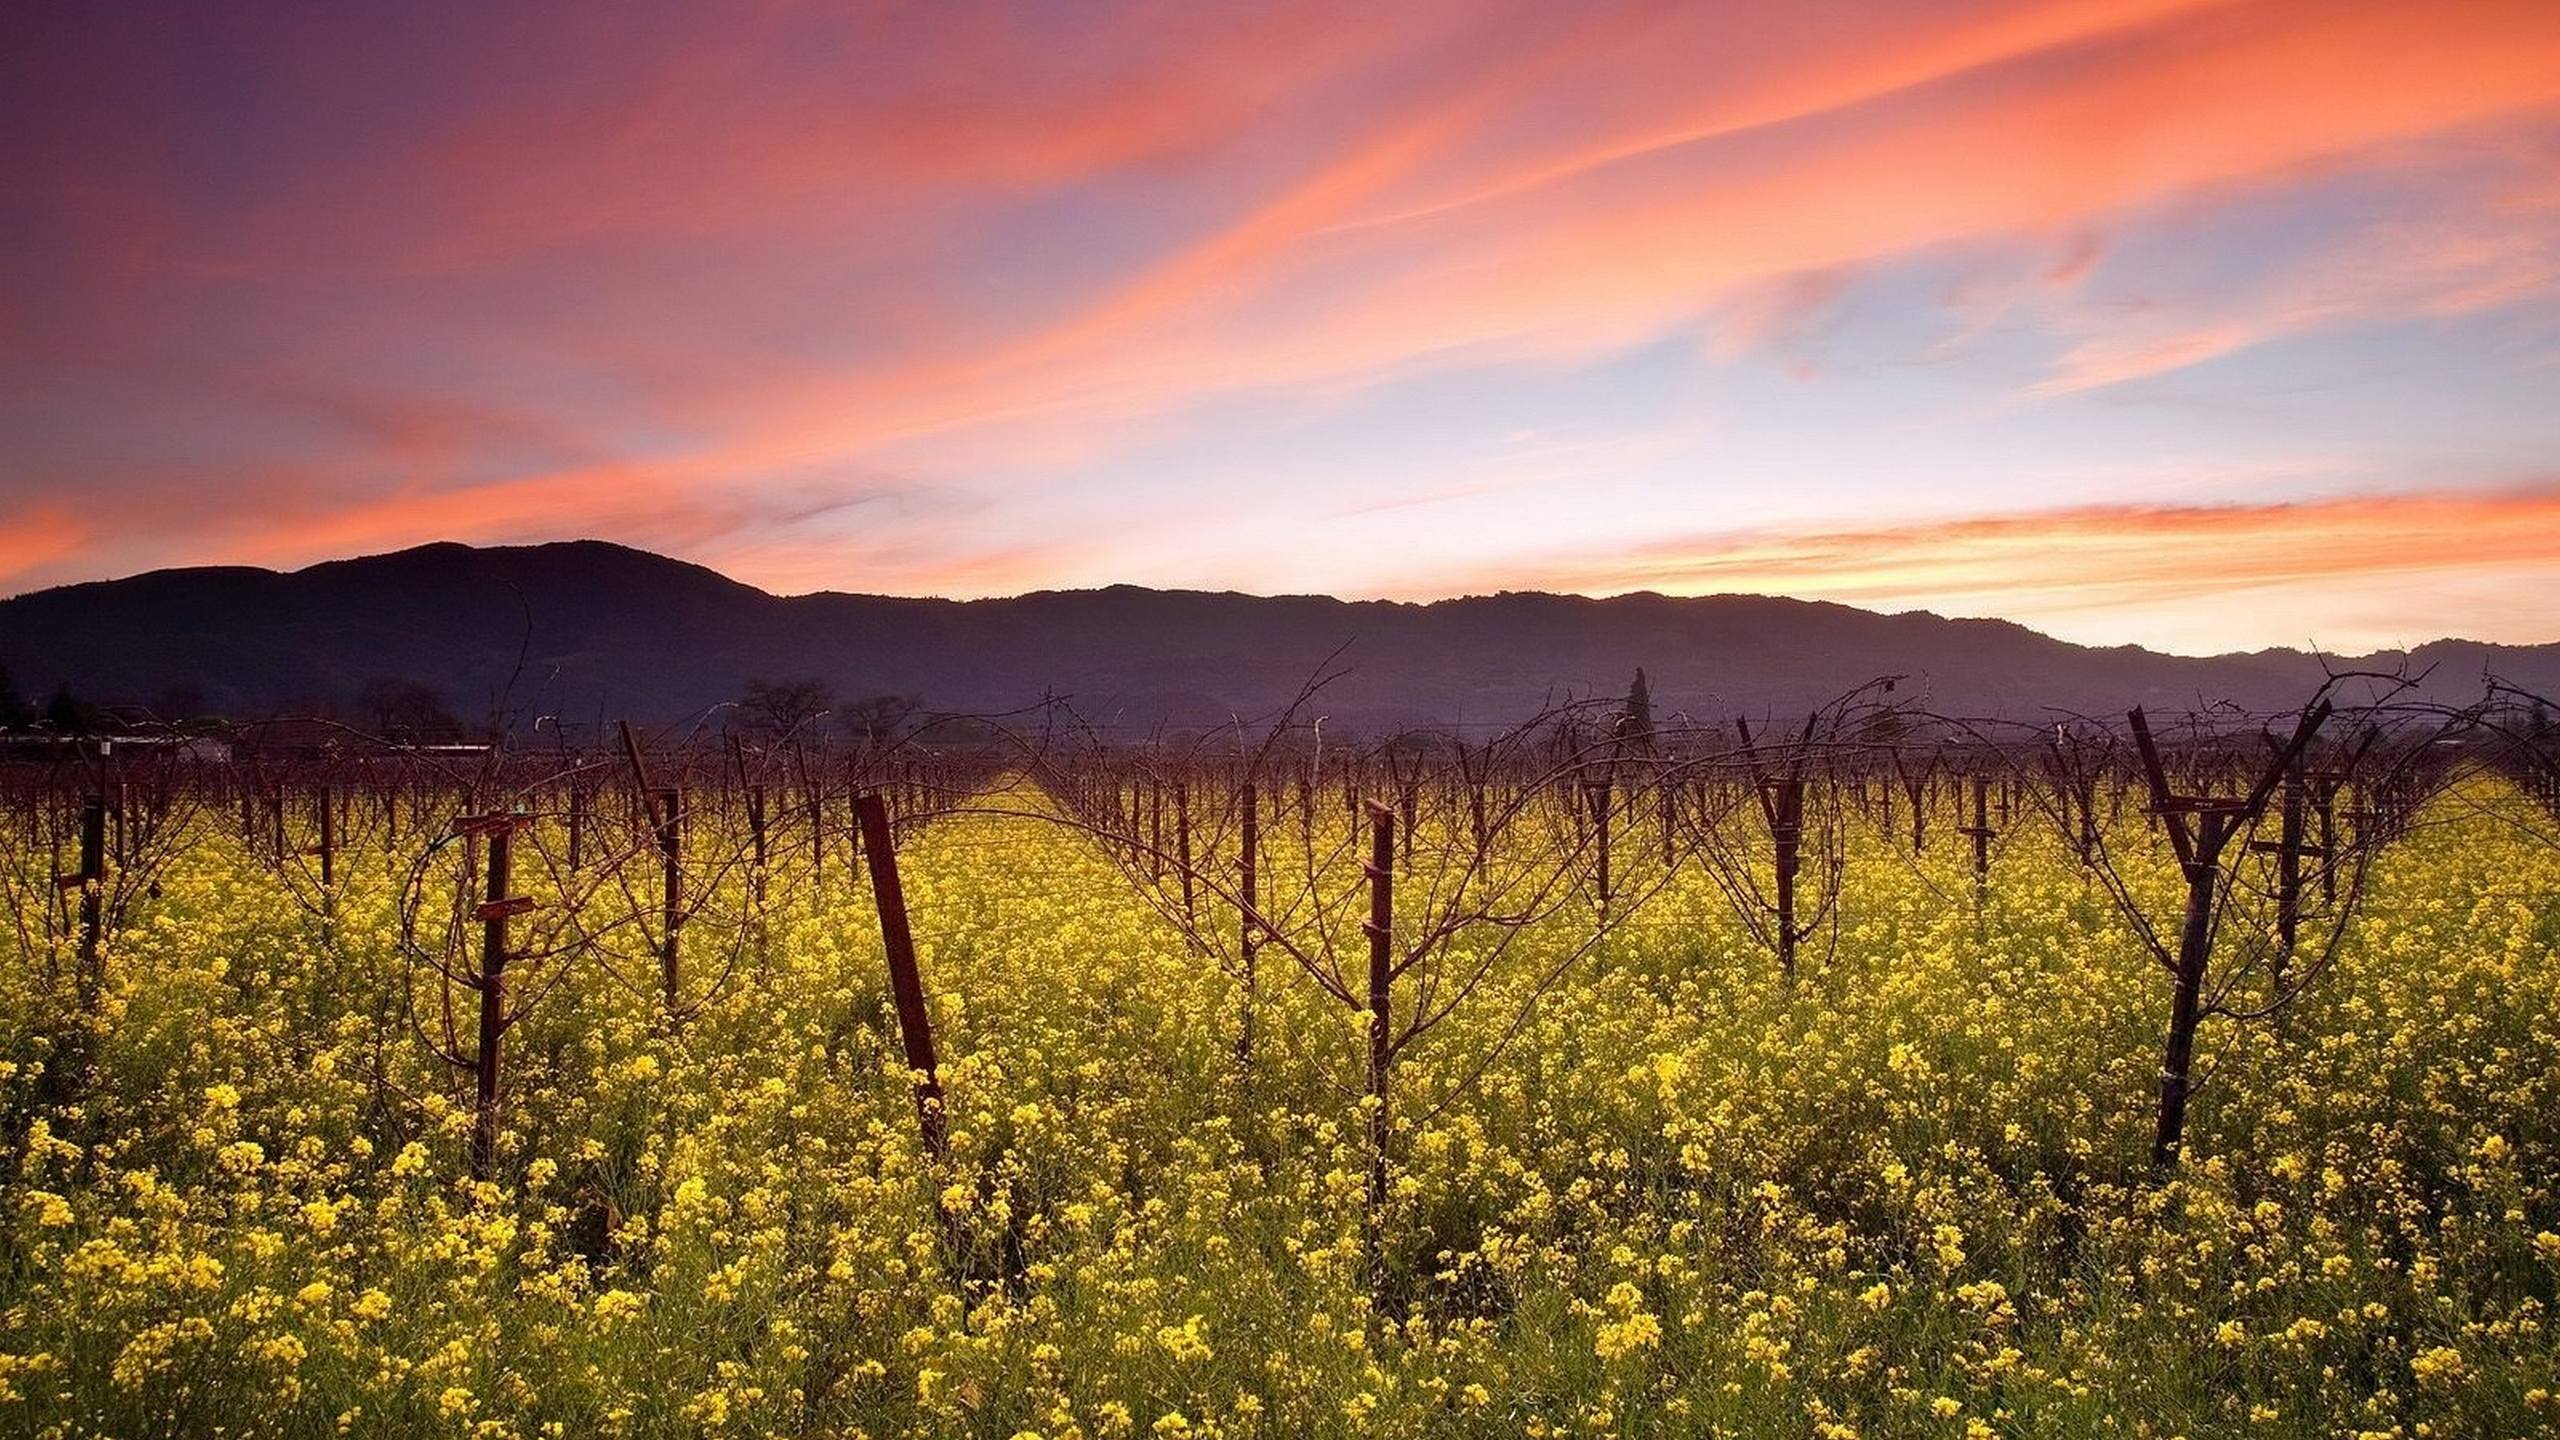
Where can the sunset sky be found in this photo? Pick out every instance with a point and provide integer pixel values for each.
(2199, 325)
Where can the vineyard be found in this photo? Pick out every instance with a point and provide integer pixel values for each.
(1862, 1073)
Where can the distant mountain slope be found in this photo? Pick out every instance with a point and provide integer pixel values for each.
(588, 630)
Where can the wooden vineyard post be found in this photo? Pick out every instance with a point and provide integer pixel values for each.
(1786, 833)
(665, 810)
(1980, 832)
(906, 982)
(126, 834)
(1182, 848)
(2329, 838)
(1409, 796)
(667, 806)
(328, 839)
(1155, 830)
(1129, 799)
(91, 881)
(1597, 791)
(496, 908)
(817, 826)
(853, 801)
(2289, 847)
(1381, 930)
(1248, 873)
(577, 826)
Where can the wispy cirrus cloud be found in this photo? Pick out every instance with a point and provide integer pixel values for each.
(1560, 266)
(629, 272)
(2488, 246)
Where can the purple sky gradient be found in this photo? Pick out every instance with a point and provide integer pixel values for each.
(2204, 325)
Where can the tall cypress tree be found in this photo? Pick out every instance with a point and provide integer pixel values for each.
(1635, 721)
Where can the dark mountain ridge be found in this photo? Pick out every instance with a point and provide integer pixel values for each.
(588, 630)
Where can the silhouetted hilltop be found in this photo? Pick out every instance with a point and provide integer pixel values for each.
(587, 630)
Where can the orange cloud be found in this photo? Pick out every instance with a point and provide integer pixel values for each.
(1564, 263)
(36, 536)
(733, 272)
(613, 498)
(2101, 570)
(1896, 50)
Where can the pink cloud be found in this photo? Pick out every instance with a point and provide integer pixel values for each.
(36, 536)
(1573, 264)
(683, 283)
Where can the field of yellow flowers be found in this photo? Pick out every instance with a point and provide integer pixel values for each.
(1906, 1196)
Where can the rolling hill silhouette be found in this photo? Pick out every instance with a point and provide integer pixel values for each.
(589, 630)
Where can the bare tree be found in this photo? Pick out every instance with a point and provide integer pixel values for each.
(775, 710)
(879, 721)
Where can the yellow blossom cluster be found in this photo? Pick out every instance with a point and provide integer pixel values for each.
(1658, 1191)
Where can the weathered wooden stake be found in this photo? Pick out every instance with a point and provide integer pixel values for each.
(1981, 832)
(817, 830)
(496, 906)
(1155, 830)
(1248, 941)
(91, 879)
(668, 806)
(1182, 846)
(1381, 929)
(328, 840)
(1599, 794)
(906, 982)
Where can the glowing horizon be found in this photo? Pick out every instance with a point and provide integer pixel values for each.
(2203, 324)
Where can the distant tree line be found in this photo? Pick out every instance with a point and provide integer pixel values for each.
(768, 710)
(773, 710)
(65, 713)
(394, 709)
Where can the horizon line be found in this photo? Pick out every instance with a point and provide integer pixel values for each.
(1601, 597)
